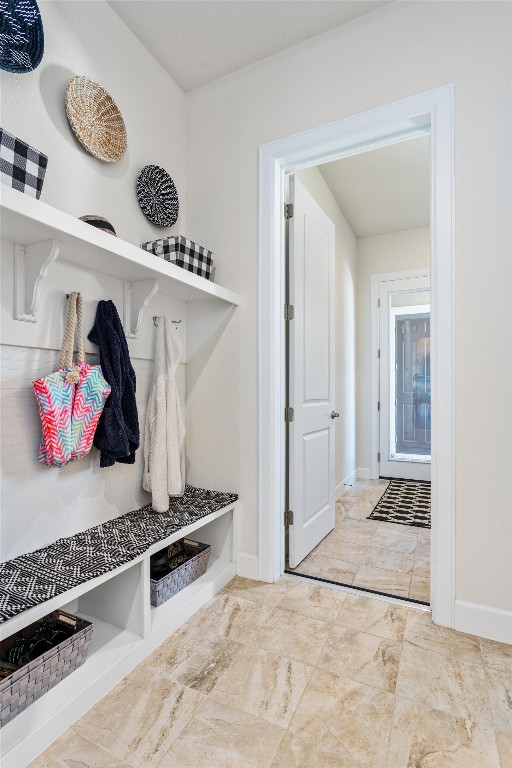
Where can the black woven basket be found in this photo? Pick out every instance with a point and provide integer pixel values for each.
(33, 680)
(187, 562)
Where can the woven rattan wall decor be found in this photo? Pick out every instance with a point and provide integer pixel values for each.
(157, 196)
(95, 119)
(21, 36)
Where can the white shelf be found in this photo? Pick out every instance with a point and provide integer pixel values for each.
(110, 646)
(27, 221)
(16, 623)
(216, 568)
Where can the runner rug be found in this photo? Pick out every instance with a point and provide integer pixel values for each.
(406, 502)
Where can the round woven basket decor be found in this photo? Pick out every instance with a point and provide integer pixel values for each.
(95, 119)
(157, 196)
(21, 36)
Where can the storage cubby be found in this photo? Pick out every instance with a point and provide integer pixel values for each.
(219, 534)
(126, 630)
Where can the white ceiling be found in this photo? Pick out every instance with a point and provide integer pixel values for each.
(197, 41)
(384, 190)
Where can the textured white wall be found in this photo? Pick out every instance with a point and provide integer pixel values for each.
(346, 266)
(394, 252)
(397, 51)
(41, 504)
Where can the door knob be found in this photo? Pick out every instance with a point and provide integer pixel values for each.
(334, 415)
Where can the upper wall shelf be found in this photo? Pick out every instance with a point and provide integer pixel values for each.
(43, 233)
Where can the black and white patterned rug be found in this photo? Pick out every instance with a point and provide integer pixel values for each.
(33, 578)
(406, 502)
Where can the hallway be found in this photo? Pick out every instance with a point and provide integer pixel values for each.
(296, 674)
(371, 554)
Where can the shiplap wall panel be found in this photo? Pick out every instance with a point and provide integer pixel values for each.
(62, 278)
(41, 504)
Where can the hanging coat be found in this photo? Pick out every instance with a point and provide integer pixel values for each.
(164, 438)
(117, 435)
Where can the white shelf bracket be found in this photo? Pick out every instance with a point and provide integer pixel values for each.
(137, 296)
(31, 264)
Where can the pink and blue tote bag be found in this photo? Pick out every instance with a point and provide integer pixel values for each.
(70, 400)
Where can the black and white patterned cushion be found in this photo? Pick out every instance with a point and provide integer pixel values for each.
(33, 578)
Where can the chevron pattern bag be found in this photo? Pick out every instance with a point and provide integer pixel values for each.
(70, 400)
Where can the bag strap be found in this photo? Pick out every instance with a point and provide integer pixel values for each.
(73, 317)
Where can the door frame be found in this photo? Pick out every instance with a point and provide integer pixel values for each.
(375, 282)
(430, 112)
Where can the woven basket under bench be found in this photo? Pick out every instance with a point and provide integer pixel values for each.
(33, 680)
(187, 562)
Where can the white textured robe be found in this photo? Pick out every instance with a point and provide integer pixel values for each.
(164, 438)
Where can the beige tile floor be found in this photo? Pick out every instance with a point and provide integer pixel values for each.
(302, 675)
(372, 554)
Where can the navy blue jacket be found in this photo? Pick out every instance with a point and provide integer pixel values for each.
(117, 435)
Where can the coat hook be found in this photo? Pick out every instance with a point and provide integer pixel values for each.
(156, 318)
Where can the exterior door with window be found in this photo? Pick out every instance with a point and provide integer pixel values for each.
(405, 409)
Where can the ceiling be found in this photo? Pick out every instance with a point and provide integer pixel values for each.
(383, 190)
(198, 41)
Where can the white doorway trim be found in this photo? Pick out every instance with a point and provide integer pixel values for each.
(375, 281)
(432, 113)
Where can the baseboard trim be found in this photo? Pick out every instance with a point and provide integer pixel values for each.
(349, 480)
(364, 473)
(248, 566)
(484, 621)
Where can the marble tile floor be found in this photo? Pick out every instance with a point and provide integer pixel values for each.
(302, 675)
(372, 554)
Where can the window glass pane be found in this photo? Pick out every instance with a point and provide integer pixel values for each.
(411, 431)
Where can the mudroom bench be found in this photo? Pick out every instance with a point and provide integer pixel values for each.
(103, 576)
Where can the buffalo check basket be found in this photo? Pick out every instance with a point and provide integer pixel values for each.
(184, 253)
(33, 680)
(21, 166)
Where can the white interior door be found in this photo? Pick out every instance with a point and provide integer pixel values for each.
(404, 342)
(311, 466)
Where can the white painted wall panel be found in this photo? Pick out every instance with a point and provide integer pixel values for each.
(415, 47)
(41, 504)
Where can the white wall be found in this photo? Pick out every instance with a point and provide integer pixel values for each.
(402, 49)
(41, 504)
(345, 243)
(88, 38)
(392, 252)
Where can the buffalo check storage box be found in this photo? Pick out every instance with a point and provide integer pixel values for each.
(21, 166)
(184, 253)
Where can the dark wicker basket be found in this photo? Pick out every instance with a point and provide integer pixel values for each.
(187, 562)
(33, 680)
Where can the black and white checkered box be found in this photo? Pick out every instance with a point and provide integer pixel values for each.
(21, 166)
(184, 253)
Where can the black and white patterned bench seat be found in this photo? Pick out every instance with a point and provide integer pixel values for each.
(38, 576)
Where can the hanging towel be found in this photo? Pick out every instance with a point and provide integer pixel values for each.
(117, 435)
(164, 437)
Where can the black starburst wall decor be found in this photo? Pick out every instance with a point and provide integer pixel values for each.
(157, 196)
(21, 36)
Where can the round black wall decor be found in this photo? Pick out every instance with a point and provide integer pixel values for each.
(21, 34)
(157, 196)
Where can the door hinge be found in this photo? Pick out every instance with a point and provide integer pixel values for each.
(288, 517)
(378, 457)
(289, 311)
(288, 210)
(378, 302)
(378, 406)
(289, 414)
(378, 353)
